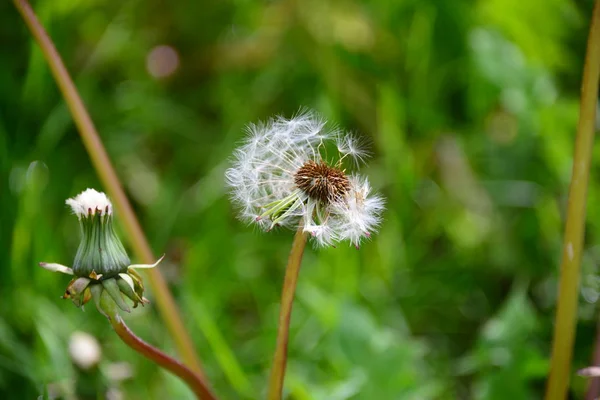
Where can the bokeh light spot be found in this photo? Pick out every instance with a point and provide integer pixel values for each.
(162, 61)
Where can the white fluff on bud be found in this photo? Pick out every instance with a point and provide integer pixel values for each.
(90, 199)
(283, 176)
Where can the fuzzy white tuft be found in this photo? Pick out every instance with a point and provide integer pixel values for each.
(263, 185)
(88, 201)
(360, 214)
(352, 146)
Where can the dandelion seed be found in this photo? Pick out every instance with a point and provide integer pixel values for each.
(281, 175)
(353, 146)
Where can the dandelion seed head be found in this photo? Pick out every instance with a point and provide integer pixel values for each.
(281, 176)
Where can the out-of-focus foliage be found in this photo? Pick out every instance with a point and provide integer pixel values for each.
(471, 110)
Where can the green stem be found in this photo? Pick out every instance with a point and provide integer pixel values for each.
(285, 313)
(566, 310)
(193, 379)
(100, 160)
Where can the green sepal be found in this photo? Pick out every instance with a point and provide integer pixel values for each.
(138, 283)
(128, 291)
(96, 295)
(77, 291)
(112, 288)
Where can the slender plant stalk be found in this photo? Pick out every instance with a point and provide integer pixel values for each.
(100, 160)
(193, 379)
(285, 313)
(566, 310)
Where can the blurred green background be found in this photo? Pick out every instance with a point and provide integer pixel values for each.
(470, 107)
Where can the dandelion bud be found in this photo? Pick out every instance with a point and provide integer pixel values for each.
(101, 268)
(100, 250)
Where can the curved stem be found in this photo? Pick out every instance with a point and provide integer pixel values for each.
(285, 313)
(108, 177)
(193, 379)
(566, 310)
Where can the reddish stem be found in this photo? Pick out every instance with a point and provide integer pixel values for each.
(193, 379)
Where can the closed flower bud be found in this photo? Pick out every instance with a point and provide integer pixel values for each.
(100, 250)
(101, 268)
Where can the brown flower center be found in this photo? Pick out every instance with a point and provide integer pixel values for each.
(322, 182)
